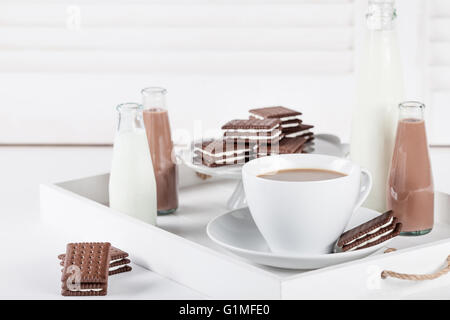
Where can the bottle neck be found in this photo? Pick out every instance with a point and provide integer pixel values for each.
(154, 98)
(411, 110)
(130, 117)
(381, 15)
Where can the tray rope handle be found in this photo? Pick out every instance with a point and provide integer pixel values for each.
(414, 277)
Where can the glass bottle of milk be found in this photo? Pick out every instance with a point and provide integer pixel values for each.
(379, 91)
(132, 186)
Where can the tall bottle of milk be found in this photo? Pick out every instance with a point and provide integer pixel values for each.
(379, 92)
(132, 186)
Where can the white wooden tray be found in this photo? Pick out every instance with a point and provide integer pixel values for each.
(180, 249)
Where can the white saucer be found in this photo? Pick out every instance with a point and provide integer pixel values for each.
(236, 231)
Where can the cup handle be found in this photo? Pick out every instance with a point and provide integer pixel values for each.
(365, 187)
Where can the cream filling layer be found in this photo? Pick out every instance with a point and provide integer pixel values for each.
(290, 125)
(221, 154)
(256, 137)
(297, 134)
(85, 290)
(281, 119)
(112, 261)
(117, 267)
(252, 130)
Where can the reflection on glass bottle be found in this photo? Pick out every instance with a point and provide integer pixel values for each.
(132, 187)
(410, 189)
(161, 148)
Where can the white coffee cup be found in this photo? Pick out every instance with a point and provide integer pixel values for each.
(304, 217)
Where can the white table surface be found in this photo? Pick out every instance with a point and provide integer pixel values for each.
(31, 269)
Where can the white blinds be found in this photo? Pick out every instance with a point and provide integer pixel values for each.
(64, 65)
(203, 37)
(439, 70)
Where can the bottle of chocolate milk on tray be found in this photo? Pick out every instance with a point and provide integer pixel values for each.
(410, 191)
(157, 125)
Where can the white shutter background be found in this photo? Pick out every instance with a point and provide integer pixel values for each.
(439, 70)
(65, 65)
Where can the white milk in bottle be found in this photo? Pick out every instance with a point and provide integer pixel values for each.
(132, 186)
(379, 91)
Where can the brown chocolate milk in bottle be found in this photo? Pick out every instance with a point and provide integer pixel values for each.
(157, 125)
(410, 191)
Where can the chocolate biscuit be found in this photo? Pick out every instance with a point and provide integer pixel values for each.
(115, 255)
(301, 130)
(86, 267)
(249, 124)
(371, 233)
(291, 124)
(282, 113)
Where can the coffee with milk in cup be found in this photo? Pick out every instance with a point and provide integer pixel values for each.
(302, 203)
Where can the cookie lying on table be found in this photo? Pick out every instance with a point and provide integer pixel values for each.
(369, 234)
(85, 270)
(118, 261)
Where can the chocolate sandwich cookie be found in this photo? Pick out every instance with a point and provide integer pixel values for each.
(303, 130)
(119, 269)
(369, 234)
(118, 261)
(281, 113)
(290, 124)
(215, 153)
(286, 146)
(253, 131)
(86, 267)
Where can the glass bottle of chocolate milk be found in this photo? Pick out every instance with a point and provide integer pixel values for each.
(157, 125)
(410, 188)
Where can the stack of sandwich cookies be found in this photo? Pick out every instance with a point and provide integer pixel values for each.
(303, 130)
(268, 131)
(217, 153)
(369, 234)
(85, 270)
(119, 262)
(253, 131)
(290, 122)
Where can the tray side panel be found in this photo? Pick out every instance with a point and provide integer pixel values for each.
(362, 279)
(188, 263)
(91, 188)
